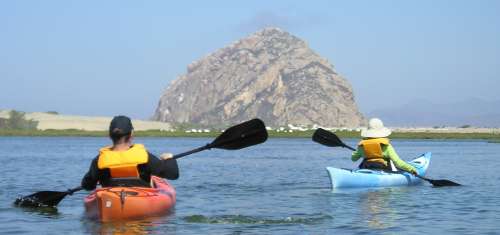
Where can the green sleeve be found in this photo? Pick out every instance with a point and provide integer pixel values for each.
(389, 151)
(360, 152)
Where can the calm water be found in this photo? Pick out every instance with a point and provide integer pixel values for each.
(279, 187)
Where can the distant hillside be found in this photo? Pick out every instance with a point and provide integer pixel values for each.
(474, 112)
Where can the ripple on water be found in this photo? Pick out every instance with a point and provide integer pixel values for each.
(279, 187)
(241, 219)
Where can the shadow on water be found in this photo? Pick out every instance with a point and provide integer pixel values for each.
(42, 212)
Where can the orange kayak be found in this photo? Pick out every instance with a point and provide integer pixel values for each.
(122, 203)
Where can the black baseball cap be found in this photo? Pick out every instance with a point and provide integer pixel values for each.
(121, 122)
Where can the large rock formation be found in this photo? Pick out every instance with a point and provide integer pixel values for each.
(270, 75)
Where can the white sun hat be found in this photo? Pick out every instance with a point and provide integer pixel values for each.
(375, 129)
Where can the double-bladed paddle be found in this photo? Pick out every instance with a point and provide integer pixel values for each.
(243, 135)
(329, 139)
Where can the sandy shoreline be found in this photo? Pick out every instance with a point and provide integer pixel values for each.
(61, 122)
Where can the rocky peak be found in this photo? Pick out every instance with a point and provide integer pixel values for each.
(270, 75)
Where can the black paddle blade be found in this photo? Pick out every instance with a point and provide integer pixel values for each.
(243, 135)
(326, 138)
(329, 139)
(44, 198)
(439, 183)
(41, 199)
(442, 183)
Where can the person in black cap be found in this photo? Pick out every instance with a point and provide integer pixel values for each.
(126, 161)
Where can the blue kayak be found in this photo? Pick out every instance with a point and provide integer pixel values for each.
(346, 178)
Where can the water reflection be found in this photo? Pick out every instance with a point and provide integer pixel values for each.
(379, 208)
(137, 226)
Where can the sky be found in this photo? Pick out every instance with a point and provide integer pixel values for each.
(108, 58)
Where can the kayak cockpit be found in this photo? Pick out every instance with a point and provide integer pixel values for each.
(127, 182)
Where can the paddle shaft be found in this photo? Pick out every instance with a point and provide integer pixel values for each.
(64, 194)
(421, 177)
(349, 147)
(71, 191)
(190, 152)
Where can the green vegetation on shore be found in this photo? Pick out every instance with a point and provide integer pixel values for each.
(17, 125)
(17, 121)
(272, 134)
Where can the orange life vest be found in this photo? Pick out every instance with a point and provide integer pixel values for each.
(123, 163)
(373, 149)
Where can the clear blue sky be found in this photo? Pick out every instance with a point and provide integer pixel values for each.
(106, 58)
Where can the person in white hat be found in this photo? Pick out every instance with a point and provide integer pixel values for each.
(376, 151)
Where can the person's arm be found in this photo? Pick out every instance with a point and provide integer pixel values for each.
(89, 181)
(391, 153)
(360, 152)
(166, 169)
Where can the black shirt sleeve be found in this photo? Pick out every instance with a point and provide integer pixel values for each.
(165, 169)
(90, 179)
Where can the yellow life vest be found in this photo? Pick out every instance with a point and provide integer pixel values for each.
(123, 163)
(373, 149)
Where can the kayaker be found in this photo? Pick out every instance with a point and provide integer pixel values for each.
(376, 150)
(127, 162)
